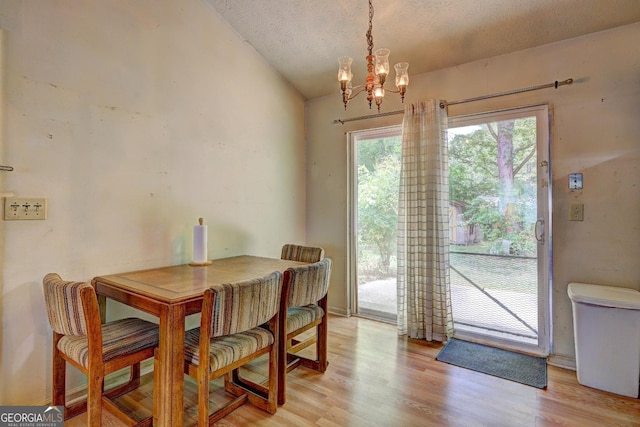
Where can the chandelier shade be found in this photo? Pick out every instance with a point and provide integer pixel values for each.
(377, 72)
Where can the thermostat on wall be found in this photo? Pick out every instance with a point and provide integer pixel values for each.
(575, 181)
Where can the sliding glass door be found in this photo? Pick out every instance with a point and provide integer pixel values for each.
(499, 226)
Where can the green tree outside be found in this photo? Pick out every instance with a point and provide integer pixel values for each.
(492, 176)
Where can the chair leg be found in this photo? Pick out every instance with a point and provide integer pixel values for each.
(95, 382)
(240, 399)
(59, 378)
(281, 372)
(289, 361)
(134, 377)
(319, 340)
(203, 397)
(321, 345)
(265, 398)
(59, 382)
(272, 399)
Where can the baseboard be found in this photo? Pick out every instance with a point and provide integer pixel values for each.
(339, 311)
(562, 361)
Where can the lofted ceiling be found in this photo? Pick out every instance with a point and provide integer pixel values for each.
(303, 39)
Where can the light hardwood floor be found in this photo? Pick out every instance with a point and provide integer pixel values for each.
(376, 378)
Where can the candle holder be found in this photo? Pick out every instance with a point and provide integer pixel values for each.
(200, 264)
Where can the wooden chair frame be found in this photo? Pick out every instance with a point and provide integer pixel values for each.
(289, 346)
(97, 369)
(320, 339)
(245, 390)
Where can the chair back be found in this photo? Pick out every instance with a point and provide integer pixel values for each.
(240, 306)
(308, 284)
(301, 253)
(64, 305)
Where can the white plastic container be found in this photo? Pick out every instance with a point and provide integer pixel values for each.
(606, 325)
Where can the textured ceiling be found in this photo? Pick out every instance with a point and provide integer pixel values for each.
(302, 39)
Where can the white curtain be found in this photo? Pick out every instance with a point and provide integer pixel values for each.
(424, 294)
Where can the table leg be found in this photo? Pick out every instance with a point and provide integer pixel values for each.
(168, 385)
(102, 305)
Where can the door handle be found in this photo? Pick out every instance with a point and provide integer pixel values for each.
(539, 230)
(6, 168)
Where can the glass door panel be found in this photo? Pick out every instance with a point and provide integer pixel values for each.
(499, 191)
(376, 177)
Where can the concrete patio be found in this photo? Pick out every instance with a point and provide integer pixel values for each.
(471, 308)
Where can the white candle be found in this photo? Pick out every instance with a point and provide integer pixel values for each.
(200, 242)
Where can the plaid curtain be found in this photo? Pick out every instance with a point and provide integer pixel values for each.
(424, 294)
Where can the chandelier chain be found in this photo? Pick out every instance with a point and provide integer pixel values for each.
(369, 35)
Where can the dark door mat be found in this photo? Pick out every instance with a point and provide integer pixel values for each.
(521, 368)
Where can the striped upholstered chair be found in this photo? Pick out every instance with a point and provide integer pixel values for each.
(303, 306)
(229, 337)
(301, 253)
(95, 349)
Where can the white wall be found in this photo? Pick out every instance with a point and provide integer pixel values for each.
(133, 118)
(136, 118)
(595, 130)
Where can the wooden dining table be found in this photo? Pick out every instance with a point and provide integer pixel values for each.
(172, 293)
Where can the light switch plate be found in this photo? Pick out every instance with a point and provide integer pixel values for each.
(25, 208)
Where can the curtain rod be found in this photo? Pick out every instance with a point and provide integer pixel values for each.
(445, 104)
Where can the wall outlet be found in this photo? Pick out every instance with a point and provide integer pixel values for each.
(576, 212)
(25, 208)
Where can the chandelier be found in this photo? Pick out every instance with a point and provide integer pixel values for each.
(377, 72)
